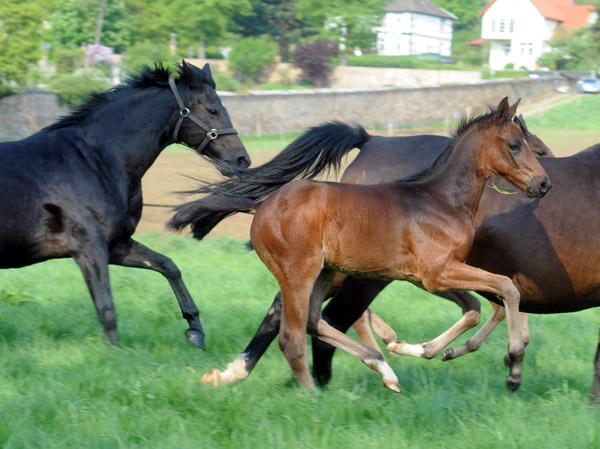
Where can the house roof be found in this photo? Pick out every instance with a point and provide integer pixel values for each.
(565, 11)
(419, 6)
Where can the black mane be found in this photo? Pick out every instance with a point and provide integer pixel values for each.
(146, 78)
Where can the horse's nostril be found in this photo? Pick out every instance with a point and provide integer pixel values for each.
(243, 161)
(545, 186)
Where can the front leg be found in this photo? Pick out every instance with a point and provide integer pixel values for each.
(136, 255)
(460, 276)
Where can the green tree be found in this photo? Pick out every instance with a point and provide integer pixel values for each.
(194, 22)
(251, 57)
(74, 23)
(21, 31)
(468, 25)
(351, 23)
(276, 18)
(573, 50)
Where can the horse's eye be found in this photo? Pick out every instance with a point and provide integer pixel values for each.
(213, 111)
(541, 153)
(514, 147)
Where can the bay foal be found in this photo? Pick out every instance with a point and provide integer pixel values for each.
(418, 229)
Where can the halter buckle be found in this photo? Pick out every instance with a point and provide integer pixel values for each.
(184, 112)
(212, 134)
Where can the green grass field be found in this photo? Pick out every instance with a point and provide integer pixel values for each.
(61, 386)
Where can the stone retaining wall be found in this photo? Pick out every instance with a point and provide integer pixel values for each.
(276, 112)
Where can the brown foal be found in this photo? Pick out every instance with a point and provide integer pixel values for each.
(418, 229)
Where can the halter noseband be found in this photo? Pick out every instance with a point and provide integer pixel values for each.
(211, 133)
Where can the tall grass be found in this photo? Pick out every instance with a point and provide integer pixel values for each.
(61, 386)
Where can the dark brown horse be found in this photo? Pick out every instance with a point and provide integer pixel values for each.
(307, 231)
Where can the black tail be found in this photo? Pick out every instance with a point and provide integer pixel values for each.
(318, 150)
(204, 214)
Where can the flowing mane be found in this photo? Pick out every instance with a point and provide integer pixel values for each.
(463, 126)
(146, 78)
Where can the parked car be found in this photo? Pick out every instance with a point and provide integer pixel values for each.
(588, 85)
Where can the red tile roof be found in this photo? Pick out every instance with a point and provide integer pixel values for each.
(564, 11)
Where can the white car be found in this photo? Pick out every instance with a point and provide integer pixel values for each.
(588, 85)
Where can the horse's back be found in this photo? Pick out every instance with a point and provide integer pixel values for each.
(384, 159)
(559, 235)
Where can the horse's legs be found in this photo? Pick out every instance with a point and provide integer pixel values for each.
(134, 254)
(460, 276)
(319, 328)
(596, 386)
(475, 342)
(368, 323)
(241, 367)
(91, 255)
(471, 313)
(347, 305)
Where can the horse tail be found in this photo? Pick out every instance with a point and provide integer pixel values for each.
(204, 214)
(320, 149)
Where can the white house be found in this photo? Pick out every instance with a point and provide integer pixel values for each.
(412, 27)
(519, 31)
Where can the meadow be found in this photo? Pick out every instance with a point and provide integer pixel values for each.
(62, 386)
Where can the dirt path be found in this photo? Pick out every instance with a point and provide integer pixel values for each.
(173, 170)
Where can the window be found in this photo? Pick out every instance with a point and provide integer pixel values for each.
(493, 25)
(511, 26)
(501, 26)
(507, 49)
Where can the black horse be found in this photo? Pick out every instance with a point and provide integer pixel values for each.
(74, 188)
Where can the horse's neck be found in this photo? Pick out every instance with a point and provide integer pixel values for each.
(135, 129)
(458, 177)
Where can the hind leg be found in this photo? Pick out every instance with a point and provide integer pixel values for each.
(136, 255)
(245, 362)
(89, 251)
(317, 327)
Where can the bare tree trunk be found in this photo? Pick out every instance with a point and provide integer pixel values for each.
(100, 23)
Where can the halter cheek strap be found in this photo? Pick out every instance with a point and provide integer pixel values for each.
(211, 133)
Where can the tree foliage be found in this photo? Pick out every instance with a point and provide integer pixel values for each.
(351, 23)
(276, 18)
(21, 28)
(573, 50)
(74, 22)
(251, 57)
(313, 59)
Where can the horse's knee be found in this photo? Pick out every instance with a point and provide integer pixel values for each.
(472, 318)
(293, 345)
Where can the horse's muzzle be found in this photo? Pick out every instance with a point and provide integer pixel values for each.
(538, 187)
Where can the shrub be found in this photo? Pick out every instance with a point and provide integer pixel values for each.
(146, 53)
(225, 81)
(314, 61)
(509, 66)
(250, 58)
(72, 90)
(68, 60)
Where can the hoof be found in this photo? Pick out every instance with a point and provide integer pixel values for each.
(395, 346)
(213, 377)
(512, 384)
(196, 338)
(448, 355)
(392, 385)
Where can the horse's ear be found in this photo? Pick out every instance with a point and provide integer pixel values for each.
(513, 109)
(519, 120)
(206, 69)
(502, 113)
(185, 72)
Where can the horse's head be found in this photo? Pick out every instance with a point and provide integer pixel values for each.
(536, 144)
(203, 121)
(508, 152)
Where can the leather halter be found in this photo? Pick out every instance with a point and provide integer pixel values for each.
(211, 133)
